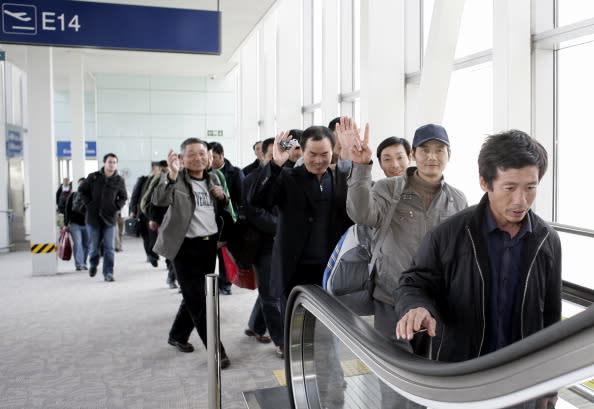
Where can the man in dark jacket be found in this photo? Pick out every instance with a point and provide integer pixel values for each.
(104, 194)
(234, 179)
(266, 311)
(255, 165)
(135, 211)
(74, 220)
(491, 274)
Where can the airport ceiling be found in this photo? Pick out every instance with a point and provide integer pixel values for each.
(239, 18)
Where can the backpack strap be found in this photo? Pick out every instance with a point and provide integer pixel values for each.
(385, 228)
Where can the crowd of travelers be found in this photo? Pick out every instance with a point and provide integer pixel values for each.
(471, 279)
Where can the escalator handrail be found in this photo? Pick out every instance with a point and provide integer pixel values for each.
(363, 334)
(578, 294)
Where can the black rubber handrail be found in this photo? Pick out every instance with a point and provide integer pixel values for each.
(398, 357)
(576, 293)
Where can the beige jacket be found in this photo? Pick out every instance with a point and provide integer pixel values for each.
(179, 197)
(369, 206)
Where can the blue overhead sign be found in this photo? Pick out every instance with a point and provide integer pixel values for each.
(64, 149)
(114, 26)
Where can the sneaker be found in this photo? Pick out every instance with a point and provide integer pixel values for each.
(265, 339)
(280, 351)
(181, 346)
(109, 278)
(79, 268)
(92, 271)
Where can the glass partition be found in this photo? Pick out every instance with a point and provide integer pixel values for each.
(338, 379)
(337, 360)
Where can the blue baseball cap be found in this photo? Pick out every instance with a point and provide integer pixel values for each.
(430, 132)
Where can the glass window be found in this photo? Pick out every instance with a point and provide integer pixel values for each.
(476, 29)
(468, 118)
(356, 44)
(317, 49)
(427, 15)
(576, 257)
(574, 113)
(571, 11)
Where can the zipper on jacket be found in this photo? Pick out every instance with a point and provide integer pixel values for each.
(482, 289)
(526, 284)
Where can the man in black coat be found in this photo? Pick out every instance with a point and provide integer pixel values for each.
(255, 165)
(135, 211)
(491, 274)
(104, 194)
(311, 200)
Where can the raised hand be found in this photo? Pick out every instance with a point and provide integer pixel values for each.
(279, 154)
(173, 163)
(349, 137)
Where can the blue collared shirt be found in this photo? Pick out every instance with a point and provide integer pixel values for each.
(505, 254)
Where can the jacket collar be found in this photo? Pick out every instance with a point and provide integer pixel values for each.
(302, 176)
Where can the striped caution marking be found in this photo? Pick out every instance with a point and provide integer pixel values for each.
(43, 248)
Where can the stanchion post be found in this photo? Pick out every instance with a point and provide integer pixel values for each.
(213, 341)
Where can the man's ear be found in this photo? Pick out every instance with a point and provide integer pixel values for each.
(483, 184)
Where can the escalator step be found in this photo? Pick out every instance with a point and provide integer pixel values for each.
(270, 398)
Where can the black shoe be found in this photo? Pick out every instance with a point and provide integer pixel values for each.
(171, 284)
(225, 361)
(109, 278)
(84, 268)
(92, 271)
(225, 291)
(181, 346)
(79, 268)
(154, 262)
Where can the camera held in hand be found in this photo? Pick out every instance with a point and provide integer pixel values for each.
(286, 145)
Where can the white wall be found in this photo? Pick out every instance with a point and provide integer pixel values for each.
(139, 118)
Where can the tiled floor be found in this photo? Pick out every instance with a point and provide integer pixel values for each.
(71, 341)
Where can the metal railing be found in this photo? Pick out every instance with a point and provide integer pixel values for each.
(559, 355)
(213, 341)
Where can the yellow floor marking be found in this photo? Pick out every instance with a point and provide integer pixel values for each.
(349, 368)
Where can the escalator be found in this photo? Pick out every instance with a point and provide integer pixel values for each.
(335, 359)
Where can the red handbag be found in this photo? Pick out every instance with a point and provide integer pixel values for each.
(64, 246)
(241, 277)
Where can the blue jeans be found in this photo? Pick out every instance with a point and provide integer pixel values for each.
(80, 244)
(103, 236)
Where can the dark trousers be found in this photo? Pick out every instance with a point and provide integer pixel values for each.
(224, 282)
(149, 237)
(195, 259)
(304, 274)
(170, 271)
(266, 312)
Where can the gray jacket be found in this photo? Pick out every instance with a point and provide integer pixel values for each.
(179, 197)
(369, 206)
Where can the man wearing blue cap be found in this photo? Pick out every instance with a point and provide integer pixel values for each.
(401, 209)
